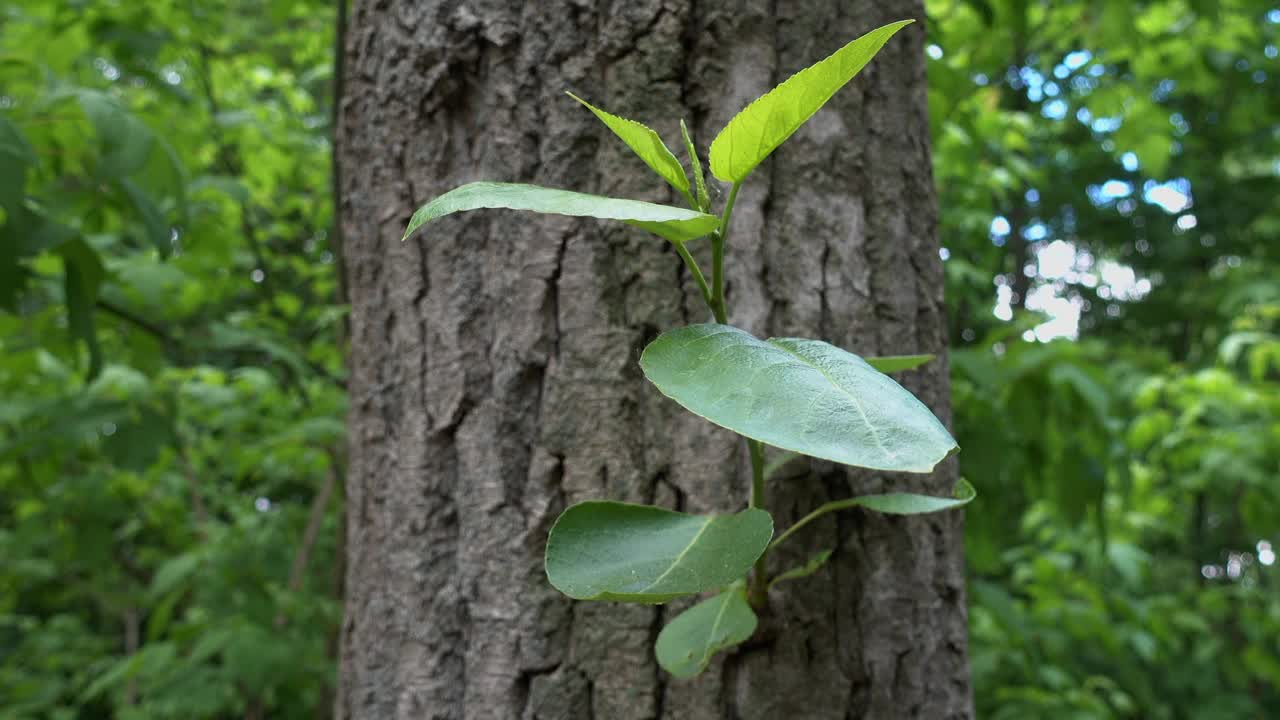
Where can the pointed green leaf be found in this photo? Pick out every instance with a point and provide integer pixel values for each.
(801, 395)
(686, 644)
(890, 503)
(602, 550)
(900, 503)
(704, 200)
(646, 144)
(897, 363)
(82, 278)
(814, 564)
(766, 123)
(675, 224)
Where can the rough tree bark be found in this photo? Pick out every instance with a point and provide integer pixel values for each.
(494, 376)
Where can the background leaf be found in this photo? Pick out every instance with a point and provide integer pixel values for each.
(124, 141)
(82, 276)
(601, 550)
(801, 395)
(675, 224)
(153, 221)
(16, 156)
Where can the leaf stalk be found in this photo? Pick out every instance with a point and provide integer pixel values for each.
(717, 258)
(758, 593)
(692, 264)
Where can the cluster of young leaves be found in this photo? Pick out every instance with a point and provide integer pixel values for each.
(801, 396)
(170, 360)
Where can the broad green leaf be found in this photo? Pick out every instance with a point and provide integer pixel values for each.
(40, 233)
(768, 121)
(801, 395)
(675, 224)
(230, 336)
(704, 200)
(685, 646)
(118, 672)
(173, 572)
(229, 185)
(1233, 345)
(124, 141)
(897, 363)
(603, 550)
(646, 144)
(813, 565)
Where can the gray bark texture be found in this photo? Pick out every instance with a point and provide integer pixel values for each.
(494, 375)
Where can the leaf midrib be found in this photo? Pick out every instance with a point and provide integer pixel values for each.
(857, 404)
(715, 626)
(680, 557)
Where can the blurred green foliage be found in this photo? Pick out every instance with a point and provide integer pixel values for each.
(171, 367)
(171, 341)
(1109, 170)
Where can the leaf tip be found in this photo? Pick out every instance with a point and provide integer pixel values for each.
(415, 223)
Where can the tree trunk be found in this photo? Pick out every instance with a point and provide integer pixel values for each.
(494, 375)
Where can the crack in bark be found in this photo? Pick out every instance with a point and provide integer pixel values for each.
(660, 675)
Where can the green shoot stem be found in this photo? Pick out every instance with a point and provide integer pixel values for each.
(756, 449)
(693, 202)
(696, 271)
(758, 593)
(717, 279)
(758, 589)
(717, 258)
(832, 506)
